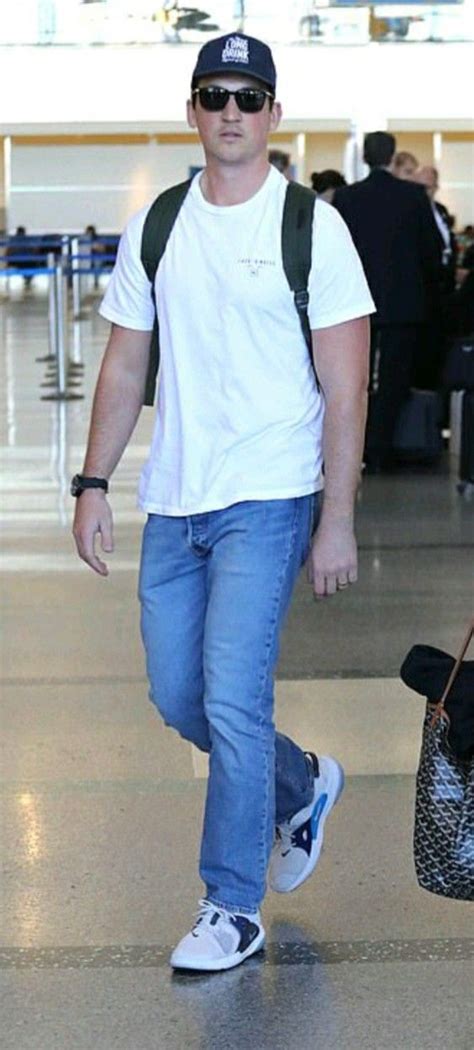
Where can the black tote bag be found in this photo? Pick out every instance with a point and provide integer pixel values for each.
(444, 803)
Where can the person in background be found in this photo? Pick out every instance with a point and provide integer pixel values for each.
(394, 232)
(434, 345)
(19, 246)
(428, 177)
(97, 249)
(325, 183)
(460, 306)
(232, 485)
(405, 165)
(467, 262)
(281, 161)
(467, 238)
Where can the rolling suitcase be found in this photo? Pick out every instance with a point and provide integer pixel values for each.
(455, 419)
(417, 437)
(466, 456)
(458, 371)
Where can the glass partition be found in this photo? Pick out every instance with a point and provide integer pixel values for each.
(351, 22)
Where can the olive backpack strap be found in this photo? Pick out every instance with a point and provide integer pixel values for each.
(297, 247)
(159, 223)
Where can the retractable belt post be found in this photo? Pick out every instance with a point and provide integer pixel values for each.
(76, 279)
(52, 354)
(61, 381)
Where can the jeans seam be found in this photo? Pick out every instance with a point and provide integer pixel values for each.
(264, 675)
(312, 527)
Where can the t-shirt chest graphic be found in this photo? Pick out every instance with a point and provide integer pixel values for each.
(225, 263)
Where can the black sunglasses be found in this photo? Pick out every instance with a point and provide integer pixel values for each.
(249, 100)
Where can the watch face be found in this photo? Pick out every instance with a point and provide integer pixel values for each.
(76, 487)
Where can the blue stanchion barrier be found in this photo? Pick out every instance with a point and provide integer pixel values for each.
(36, 271)
(29, 271)
(20, 255)
(98, 257)
(25, 255)
(39, 242)
(55, 240)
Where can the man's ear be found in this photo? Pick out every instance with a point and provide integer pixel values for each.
(191, 114)
(275, 115)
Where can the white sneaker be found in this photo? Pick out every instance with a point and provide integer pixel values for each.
(299, 841)
(218, 940)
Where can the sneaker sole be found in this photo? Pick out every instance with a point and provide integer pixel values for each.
(213, 966)
(335, 788)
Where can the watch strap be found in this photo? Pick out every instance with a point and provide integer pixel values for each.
(80, 482)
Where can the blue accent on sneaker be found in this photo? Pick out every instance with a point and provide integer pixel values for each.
(296, 850)
(317, 814)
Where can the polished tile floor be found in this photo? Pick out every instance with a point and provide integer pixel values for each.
(102, 806)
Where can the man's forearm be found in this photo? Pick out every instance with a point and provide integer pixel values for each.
(343, 443)
(117, 403)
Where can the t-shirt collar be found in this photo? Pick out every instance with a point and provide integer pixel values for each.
(272, 179)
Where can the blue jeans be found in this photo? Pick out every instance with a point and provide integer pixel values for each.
(214, 590)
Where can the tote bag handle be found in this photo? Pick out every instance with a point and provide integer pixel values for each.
(439, 709)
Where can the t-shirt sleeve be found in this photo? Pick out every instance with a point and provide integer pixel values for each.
(338, 289)
(127, 301)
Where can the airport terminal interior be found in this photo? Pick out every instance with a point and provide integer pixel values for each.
(101, 804)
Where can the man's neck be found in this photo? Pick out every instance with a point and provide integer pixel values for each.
(225, 185)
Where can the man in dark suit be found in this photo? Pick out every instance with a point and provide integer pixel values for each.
(428, 177)
(393, 228)
(430, 360)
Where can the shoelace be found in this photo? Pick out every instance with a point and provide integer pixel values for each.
(206, 910)
(285, 838)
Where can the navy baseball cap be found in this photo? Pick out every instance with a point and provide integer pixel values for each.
(236, 53)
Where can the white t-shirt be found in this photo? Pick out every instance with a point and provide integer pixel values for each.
(239, 414)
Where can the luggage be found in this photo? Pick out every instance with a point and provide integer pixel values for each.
(417, 437)
(466, 457)
(458, 371)
(461, 441)
(455, 419)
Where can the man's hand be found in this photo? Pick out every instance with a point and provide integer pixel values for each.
(332, 564)
(93, 516)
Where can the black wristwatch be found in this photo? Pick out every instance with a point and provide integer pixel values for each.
(81, 482)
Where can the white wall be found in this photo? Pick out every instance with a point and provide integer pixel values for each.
(456, 169)
(149, 85)
(68, 187)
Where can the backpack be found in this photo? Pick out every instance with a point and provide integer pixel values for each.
(297, 228)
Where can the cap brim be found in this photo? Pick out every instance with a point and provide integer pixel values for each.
(235, 71)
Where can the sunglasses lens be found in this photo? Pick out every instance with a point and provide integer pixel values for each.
(250, 100)
(213, 98)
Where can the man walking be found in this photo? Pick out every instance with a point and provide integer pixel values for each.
(394, 232)
(233, 483)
